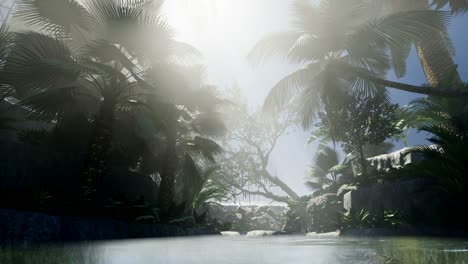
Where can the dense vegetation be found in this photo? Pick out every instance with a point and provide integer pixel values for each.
(103, 88)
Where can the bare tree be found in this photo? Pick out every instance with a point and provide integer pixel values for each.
(250, 140)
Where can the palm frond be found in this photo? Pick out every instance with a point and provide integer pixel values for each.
(306, 17)
(5, 41)
(183, 53)
(204, 148)
(399, 57)
(143, 4)
(276, 44)
(338, 168)
(209, 124)
(326, 159)
(286, 88)
(318, 174)
(314, 185)
(53, 16)
(400, 29)
(309, 103)
(455, 6)
(395, 33)
(50, 104)
(322, 137)
(40, 62)
(109, 11)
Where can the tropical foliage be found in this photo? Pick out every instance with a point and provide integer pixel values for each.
(359, 120)
(249, 142)
(342, 52)
(111, 75)
(325, 168)
(107, 85)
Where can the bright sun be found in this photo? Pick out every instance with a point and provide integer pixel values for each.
(207, 18)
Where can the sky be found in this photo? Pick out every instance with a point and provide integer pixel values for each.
(225, 31)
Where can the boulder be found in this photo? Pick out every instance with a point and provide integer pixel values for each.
(246, 218)
(265, 221)
(297, 217)
(321, 200)
(395, 160)
(324, 212)
(344, 189)
(261, 233)
(230, 233)
(416, 199)
(323, 235)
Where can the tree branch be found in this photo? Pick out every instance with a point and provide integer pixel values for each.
(280, 132)
(278, 182)
(269, 195)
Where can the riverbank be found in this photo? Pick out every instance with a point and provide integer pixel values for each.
(407, 231)
(21, 229)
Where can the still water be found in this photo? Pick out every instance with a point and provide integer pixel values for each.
(240, 250)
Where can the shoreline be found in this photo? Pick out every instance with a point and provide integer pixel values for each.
(25, 228)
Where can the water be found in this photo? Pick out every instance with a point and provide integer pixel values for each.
(240, 250)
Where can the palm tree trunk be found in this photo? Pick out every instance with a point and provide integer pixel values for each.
(434, 55)
(437, 63)
(95, 166)
(166, 187)
(445, 91)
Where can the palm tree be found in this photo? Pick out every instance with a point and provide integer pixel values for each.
(89, 55)
(188, 120)
(341, 47)
(447, 162)
(325, 168)
(202, 187)
(436, 51)
(5, 45)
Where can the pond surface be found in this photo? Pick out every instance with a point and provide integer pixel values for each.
(240, 250)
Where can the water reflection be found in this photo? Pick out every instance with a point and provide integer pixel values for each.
(241, 250)
(84, 254)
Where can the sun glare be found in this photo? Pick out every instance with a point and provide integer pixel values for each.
(208, 20)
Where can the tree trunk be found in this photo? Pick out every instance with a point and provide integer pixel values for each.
(166, 187)
(433, 53)
(95, 165)
(282, 185)
(437, 63)
(362, 161)
(444, 92)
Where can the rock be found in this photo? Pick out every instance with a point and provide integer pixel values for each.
(410, 198)
(265, 221)
(261, 233)
(347, 201)
(230, 233)
(324, 212)
(239, 216)
(395, 159)
(297, 217)
(344, 189)
(322, 200)
(323, 235)
(262, 209)
(241, 210)
(247, 218)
